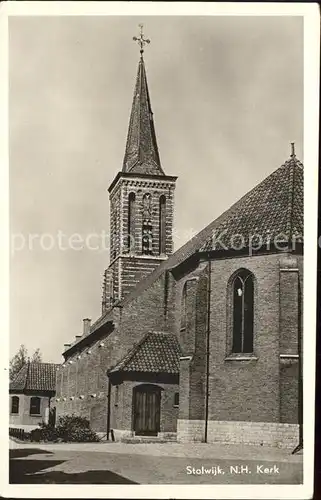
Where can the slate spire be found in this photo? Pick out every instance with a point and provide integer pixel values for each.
(141, 154)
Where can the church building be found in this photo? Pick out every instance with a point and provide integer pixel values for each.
(203, 344)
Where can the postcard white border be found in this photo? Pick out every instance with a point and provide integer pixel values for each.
(310, 12)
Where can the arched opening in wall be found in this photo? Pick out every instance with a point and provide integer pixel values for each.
(162, 225)
(242, 291)
(146, 409)
(35, 406)
(184, 307)
(147, 229)
(131, 222)
(15, 405)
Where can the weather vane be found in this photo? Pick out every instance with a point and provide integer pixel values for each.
(140, 39)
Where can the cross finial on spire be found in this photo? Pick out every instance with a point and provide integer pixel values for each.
(141, 40)
(292, 150)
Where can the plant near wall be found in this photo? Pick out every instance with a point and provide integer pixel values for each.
(70, 428)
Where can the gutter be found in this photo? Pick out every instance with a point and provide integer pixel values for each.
(88, 339)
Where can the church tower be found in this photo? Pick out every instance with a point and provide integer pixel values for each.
(141, 201)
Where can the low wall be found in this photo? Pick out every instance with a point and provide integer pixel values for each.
(25, 427)
(234, 432)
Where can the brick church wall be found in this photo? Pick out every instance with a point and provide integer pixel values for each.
(263, 388)
(245, 390)
(192, 338)
(88, 375)
(257, 390)
(291, 285)
(237, 432)
(289, 391)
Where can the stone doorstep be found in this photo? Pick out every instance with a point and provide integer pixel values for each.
(162, 438)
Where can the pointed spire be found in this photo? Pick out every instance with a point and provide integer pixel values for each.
(141, 154)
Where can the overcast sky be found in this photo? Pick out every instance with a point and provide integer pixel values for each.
(227, 97)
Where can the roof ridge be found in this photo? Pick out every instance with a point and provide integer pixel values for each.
(290, 200)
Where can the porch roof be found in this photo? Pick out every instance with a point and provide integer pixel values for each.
(157, 352)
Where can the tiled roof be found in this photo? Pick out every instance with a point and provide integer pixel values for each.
(287, 181)
(157, 352)
(275, 204)
(35, 377)
(141, 154)
(272, 209)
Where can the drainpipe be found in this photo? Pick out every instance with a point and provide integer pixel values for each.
(207, 350)
(300, 382)
(108, 408)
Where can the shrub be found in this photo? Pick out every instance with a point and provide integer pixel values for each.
(69, 428)
(76, 429)
(36, 435)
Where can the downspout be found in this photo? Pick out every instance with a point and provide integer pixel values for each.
(108, 408)
(207, 350)
(300, 381)
(49, 404)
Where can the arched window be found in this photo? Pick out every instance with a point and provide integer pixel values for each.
(147, 230)
(183, 307)
(243, 309)
(131, 221)
(35, 406)
(162, 224)
(14, 404)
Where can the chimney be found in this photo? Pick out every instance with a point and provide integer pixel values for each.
(87, 323)
(66, 346)
(78, 337)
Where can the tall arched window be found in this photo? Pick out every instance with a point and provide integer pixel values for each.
(35, 406)
(243, 312)
(147, 230)
(162, 224)
(131, 221)
(184, 307)
(15, 404)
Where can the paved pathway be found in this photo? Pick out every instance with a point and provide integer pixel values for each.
(196, 450)
(171, 463)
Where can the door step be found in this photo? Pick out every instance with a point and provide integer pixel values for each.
(163, 438)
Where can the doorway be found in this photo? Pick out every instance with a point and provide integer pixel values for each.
(146, 409)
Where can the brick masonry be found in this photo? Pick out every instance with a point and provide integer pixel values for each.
(87, 375)
(261, 388)
(128, 265)
(234, 432)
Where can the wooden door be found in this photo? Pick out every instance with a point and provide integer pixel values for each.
(147, 410)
